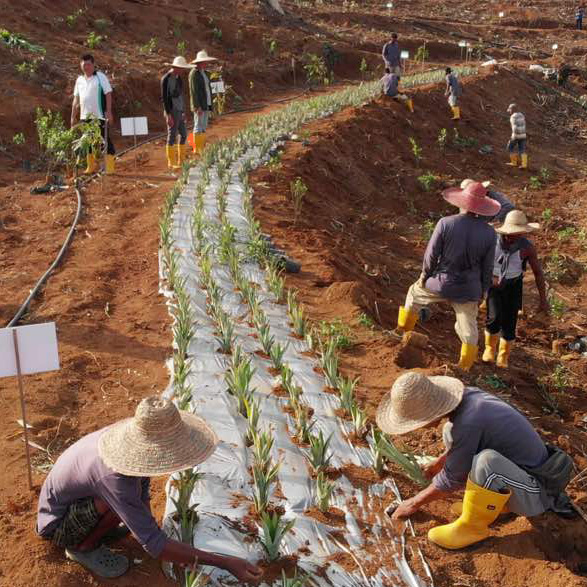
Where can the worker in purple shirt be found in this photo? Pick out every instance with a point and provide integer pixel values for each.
(492, 451)
(505, 203)
(391, 55)
(457, 267)
(579, 15)
(102, 481)
(390, 85)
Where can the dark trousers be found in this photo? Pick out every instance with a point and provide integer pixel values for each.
(519, 143)
(579, 24)
(503, 304)
(110, 146)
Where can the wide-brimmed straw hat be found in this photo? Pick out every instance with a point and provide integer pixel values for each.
(469, 181)
(473, 199)
(159, 440)
(415, 400)
(512, 107)
(203, 56)
(180, 62)
(516, 223)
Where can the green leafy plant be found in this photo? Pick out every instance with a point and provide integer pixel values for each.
(72, 18)
(318, 454)
(276, 353)
(555, 267)
(329, 363)
(274, 529)
(225, 328)
(298, 190)
(271, 45)
(422, 54)
(406, 460)
(16, 41)
(557, 307)
(336, 332)
(363, 68)
(262, 446)
(366, 320)
(266, 338)
(427, 181)
(427, 228)
(416, 149)
(252, 414)
(546, 215)
(376, 444)
(186, 512)
(182, 48)
(316, 70)
(346, 390)
(493, 382)
(535, 182)
(545, 174)
(324, 490)
(560, 378)
(296, 314)
(460, 141)
(359, 419)
(442, 138)
(19, 138)
(217, 33)
(566, 233)
(149, 47)
(93, 40)
(294, 581)
(263, 480)
(27, 68)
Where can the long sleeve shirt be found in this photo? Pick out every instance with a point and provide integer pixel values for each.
(391, 54)
(458, 262)
(390, 82)
(518, 124)
(200, 91)
(80, 473)
(482, 421)
(172, 93)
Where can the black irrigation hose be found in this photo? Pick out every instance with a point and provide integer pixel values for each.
(56, 262)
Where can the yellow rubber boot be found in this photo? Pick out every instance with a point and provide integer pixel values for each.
(456, 509)
(181, 153)
(491, 341)
(110, 164)
(468, 356)
(406, 319)
(410, 104)
(480, 509)
(503, 355)
(524, 164)
(171, 153)
(456, 112)
(199, 142)
(92, 165)
(514, 160)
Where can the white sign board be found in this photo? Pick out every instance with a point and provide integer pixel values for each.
(389, 5)
(134, 126)
(555, 47)
(405, 54)
(217, 87)
(37, 348)
(501, 14)
(462, 43)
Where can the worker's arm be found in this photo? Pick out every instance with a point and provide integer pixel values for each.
(433, 252)
(185, 555)
(412, 505)
(74, 110)
(487, 267)
(109, 115)
(536, 266)
(384, 52)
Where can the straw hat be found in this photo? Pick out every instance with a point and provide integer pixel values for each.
(159, 440)
(512, 107)
(473, 199)
(516, 223)
(468, 181)
(180, 62)
(416, 400)
(203, 56)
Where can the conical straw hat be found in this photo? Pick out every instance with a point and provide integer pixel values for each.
(517, 223)
(416, 400)
(203, 57)
(473, 198)
(180, 62)
(159, 440)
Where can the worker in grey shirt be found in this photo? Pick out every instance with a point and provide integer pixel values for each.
(102, 480)
(390, 82)
(453, 91)
(495, 453)
(391, 55)
(457, 267)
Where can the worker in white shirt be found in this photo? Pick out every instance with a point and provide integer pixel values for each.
(518, 138)
(92, 99)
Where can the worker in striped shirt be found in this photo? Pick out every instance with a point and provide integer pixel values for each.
(518, 138)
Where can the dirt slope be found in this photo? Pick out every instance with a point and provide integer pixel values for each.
(360, 239)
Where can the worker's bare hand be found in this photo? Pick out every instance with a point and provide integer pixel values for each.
(405, 509)
(170, 120)
(244, 570)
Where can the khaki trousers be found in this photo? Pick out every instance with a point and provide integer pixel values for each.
(466, 313)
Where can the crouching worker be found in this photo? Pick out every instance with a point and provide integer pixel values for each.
(457, 267)
(494, 452)
(504, 299)
(103, 480)
(390, 82)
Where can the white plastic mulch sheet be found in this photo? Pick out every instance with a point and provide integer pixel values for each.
(224, 493)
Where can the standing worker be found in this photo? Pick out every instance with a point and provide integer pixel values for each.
(200, 98)
(103, 480)
(579, 14)
(518, 138)
(457, 268)
(454, 91)
(174, 110)
(390, 82)
(504, 299)
(493, 452)
(93, 95)
(391, 55)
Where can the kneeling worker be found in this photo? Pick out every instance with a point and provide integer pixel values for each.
(103, 480)
(494, 450)
(390, 82)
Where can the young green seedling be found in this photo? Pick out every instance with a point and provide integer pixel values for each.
(274, 528)
(265, 336)
(324, 490)
(376, 448)
(276, 353)
(317, 455)
(346, 390)
(187, 514)
(263, 479)
(226, 336)
(294, 581)
(359, 419)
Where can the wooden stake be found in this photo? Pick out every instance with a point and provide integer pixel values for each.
(22, 407)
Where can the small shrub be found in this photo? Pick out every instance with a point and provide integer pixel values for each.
(217, 33)
(535, 182)
(324, 490)
(442, 138)
(545, 174)
(93, 40)
(72, 18)
(427, 228)
(274, 528)
(365, 320)
(150, 46)
(560, 378)
(566, 233)
(460, 141)
(271, 46)
(416, 149)
(316, 70)
(546, 215)
(422, 54)
(557, 306)
(27, 68)
(182, 48)
(16, 41)
(19, 139)
(427, 181)
(298, 190)
(318, 454)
